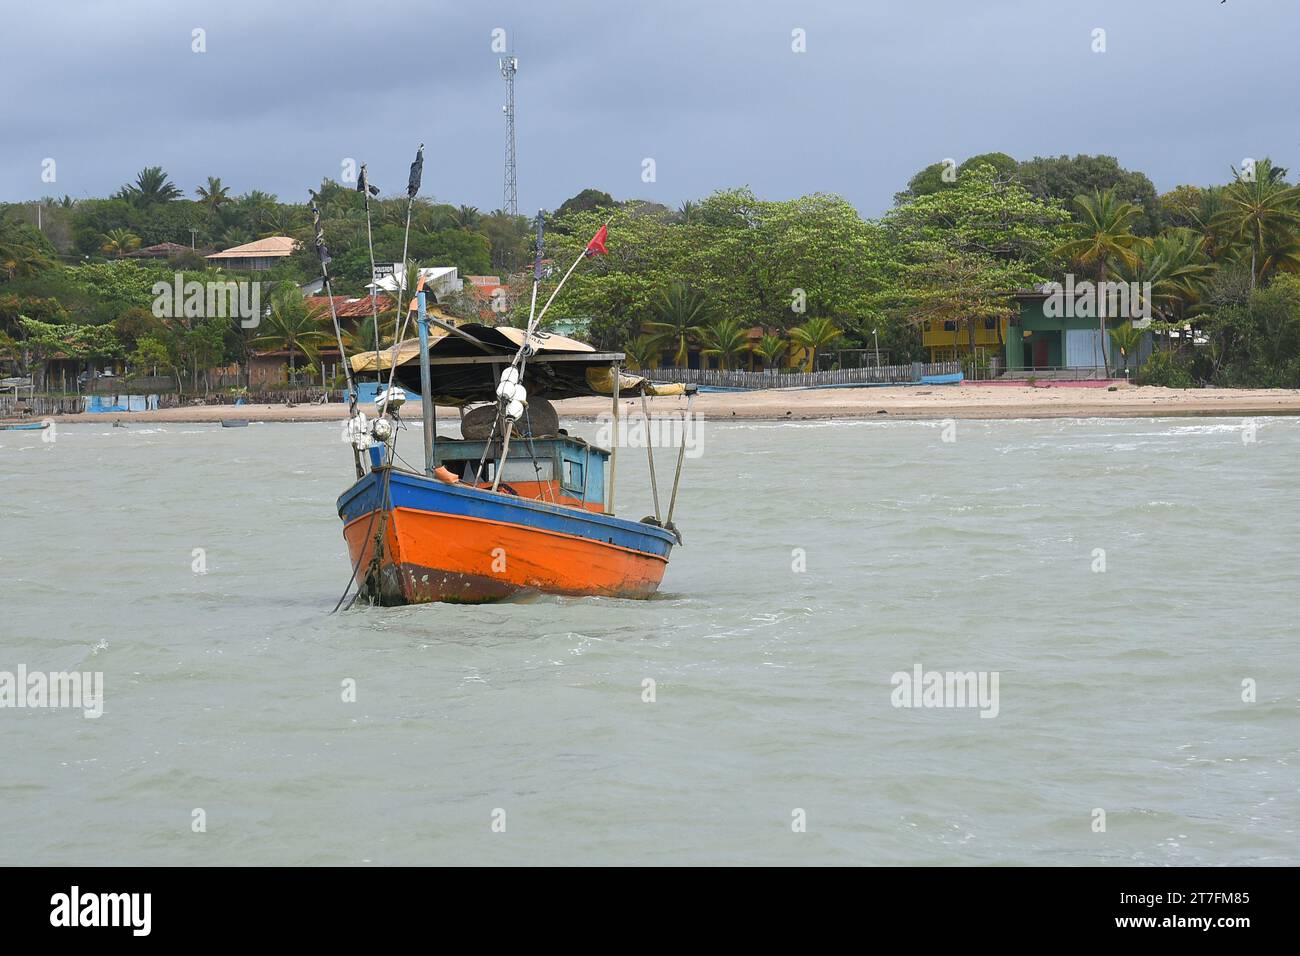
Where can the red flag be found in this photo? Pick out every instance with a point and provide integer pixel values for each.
(597, 245)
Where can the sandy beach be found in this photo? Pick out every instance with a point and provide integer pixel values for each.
(909, 402)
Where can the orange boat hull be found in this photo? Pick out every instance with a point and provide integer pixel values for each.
(441, 555)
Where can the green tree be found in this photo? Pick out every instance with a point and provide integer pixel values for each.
(815, 334)
(1177, 267)
(151, 186)
(293, 326)
(214, 195)
(254, 212)
(772, 349)
(1126, 340)
(680, 317)
(23, 251)
(588, 200)
(1064, 177)
(1262, 212)
(1104, 239)
(467, 218)
(983, 214)
(942, 174)
(641, 352)
(151, 353)
(728, 339)
(118, 242)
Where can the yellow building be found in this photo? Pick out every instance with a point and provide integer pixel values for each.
(948, 340)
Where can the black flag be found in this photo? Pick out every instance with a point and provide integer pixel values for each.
(417, 170)
(321, 250)
(363, 183)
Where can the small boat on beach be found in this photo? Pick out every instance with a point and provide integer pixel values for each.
(23, 426)
(234, 423)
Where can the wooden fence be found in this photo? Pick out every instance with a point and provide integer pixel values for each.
(875, 375)
(39, 406)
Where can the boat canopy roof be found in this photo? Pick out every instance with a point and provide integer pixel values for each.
(464, 364)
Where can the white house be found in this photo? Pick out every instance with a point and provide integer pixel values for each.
(439, 280)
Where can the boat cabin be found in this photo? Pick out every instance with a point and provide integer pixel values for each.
(562, 470)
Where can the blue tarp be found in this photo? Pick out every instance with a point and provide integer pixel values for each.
(121, 403)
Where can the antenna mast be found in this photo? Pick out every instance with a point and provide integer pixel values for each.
(509, 66)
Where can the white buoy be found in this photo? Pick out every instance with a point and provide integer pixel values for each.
(389, 400)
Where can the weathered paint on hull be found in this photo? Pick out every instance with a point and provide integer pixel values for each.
(485, 552)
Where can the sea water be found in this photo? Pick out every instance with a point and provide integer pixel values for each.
(1118, 596)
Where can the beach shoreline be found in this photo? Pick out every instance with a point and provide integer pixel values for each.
(968, 401)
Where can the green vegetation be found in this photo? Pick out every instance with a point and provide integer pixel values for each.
(729, 277)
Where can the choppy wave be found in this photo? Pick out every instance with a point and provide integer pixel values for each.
(1126, 579)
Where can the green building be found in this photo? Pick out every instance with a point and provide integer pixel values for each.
(1037, 342)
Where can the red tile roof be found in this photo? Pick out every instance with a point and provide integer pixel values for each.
(349, 307)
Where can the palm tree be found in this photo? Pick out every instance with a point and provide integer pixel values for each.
(256, 208)
(21, 254)
(1263, 213)
(389, 212)
(771, 348)
(681, 313)
(816, 333)
(118, 242)
(282, 220)
(1105, 239)
(213, 195)
(1178, 268)
(1127, 340)
(688, 213)
(362, 339)
(151, 185)
(292, 326)
(466, 218)
(727, 339)
(235, 236)
(641, 352)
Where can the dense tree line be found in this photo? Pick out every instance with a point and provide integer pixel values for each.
(1222, 261)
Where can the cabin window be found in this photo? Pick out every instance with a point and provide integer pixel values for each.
(526, 469)
(990, 324)
(573, 476)
(950, 326)
(462, 468)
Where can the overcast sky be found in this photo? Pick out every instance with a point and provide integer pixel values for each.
(711, 90)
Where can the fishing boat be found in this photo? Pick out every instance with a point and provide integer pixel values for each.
(497, 513)
(23, 426)
(514, 504)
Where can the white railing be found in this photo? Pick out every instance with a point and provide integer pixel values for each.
(875, 375)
